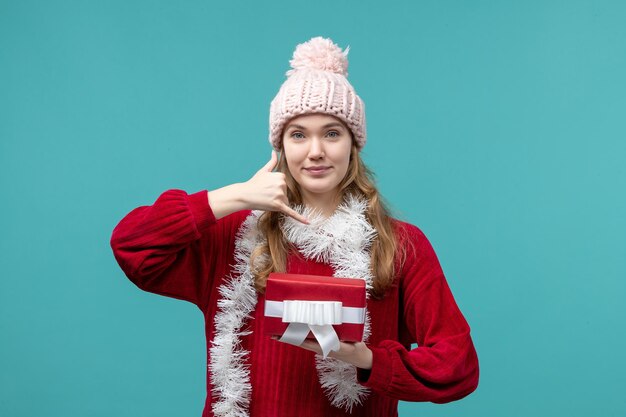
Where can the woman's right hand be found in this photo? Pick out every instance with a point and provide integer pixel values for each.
(267, 190)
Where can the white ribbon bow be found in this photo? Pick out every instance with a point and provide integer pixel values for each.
(316, 316)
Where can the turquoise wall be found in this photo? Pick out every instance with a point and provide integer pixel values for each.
(496, 127)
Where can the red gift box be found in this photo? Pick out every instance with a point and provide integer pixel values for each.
(283, 288)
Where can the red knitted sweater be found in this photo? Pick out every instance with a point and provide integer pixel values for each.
(176, 248)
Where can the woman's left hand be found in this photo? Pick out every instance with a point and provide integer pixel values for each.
(357, 354)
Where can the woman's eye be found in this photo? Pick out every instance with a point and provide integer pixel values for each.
(299, 135)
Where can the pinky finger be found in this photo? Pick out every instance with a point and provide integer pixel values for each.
(292, 213)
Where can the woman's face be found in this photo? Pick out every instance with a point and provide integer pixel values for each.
(314, 141)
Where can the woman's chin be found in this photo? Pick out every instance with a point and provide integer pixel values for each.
(320, 194)
(318, 191)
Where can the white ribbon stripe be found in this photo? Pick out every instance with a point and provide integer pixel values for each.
(316, 316)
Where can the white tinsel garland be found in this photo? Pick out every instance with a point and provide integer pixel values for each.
(342, 241)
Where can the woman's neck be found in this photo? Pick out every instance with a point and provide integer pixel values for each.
(326, 205)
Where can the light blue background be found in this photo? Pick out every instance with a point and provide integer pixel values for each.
(496, 127)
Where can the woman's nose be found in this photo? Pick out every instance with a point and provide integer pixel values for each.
(316, 149)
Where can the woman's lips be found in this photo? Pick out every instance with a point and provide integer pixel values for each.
(317, 171)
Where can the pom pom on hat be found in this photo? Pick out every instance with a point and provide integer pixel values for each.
(322, 54)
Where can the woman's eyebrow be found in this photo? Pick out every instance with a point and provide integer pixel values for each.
(331, 124)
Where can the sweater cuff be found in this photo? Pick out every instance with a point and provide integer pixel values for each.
(379, 377)
(201, 210)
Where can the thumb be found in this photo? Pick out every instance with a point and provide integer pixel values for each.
(269, 167)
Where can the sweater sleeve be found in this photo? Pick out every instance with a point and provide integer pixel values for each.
(161, 248)
(444, 366)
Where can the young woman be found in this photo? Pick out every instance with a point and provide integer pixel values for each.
(315, 210)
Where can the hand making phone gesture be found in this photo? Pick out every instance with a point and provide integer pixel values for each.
(266, 190)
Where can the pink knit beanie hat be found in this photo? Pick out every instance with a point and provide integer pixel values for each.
(317, 83)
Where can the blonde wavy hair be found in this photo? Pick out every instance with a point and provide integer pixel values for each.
(359, 180)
